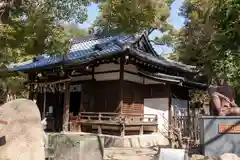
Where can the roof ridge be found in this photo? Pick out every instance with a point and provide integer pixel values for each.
(77, 40)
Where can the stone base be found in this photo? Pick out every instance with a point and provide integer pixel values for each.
(86, 146)
(135, 141)
(65, 146)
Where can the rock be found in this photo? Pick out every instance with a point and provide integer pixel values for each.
(72, 146)
(197, 157)
(226, 156)
(229, 156)
(24, 133)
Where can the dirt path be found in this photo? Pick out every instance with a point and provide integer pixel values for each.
(130, 154)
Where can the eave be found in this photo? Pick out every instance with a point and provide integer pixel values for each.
(181, 81)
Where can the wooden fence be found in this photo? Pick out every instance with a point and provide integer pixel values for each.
(114, 123)
(189, 126)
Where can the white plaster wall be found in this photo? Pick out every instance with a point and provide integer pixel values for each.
(116, 76)
(107, 67)
(111, 66)
(107, 76)
(130, 68)
(158, 106)
(133, 78)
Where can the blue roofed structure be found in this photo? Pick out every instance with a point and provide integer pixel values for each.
(86, 50)
(107, 74)
(81, 51)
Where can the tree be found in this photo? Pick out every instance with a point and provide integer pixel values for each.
(132, 16)
(210, 38)
(73, 31)
(172, 56)
(67, 10)
(30, 28)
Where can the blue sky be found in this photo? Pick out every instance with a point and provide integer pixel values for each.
(174, 19)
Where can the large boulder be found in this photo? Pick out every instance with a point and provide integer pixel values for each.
(229, 156)
(23, 131)
(225, 156)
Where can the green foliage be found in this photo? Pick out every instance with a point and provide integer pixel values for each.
(34, 28)
(168, 38)
(30, 28)
(172, 56)
(131, 16)
(74, 31)
(210, 38)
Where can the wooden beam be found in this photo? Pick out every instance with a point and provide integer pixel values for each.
(188, 119)
(194, 123)
(93, 71)
(121, 80)
(31, 78)
(66, 106)
(50, 83)
(170, 134)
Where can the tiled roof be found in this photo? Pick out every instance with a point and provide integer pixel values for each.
(82, 50)
(162, 61)
(86, 49)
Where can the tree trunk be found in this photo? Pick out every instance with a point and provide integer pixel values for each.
(5, 6)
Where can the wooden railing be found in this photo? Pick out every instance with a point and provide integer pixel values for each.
(123, 123)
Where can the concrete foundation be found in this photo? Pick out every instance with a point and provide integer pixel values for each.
(135, 141)
(85, 146)
(64, 146)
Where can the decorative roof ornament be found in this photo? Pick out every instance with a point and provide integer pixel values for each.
(97, 31)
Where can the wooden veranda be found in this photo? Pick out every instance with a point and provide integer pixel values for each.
(112, 123)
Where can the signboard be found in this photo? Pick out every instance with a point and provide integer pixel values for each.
(229, 128)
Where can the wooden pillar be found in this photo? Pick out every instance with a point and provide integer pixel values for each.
(66, 106)
(188, 119)
(99, 126)
(31, 78)
(121, 80)
(93, 71)
(170, 134)
(194, 122)
(123, 127)
(141, 130)
(44, 101)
